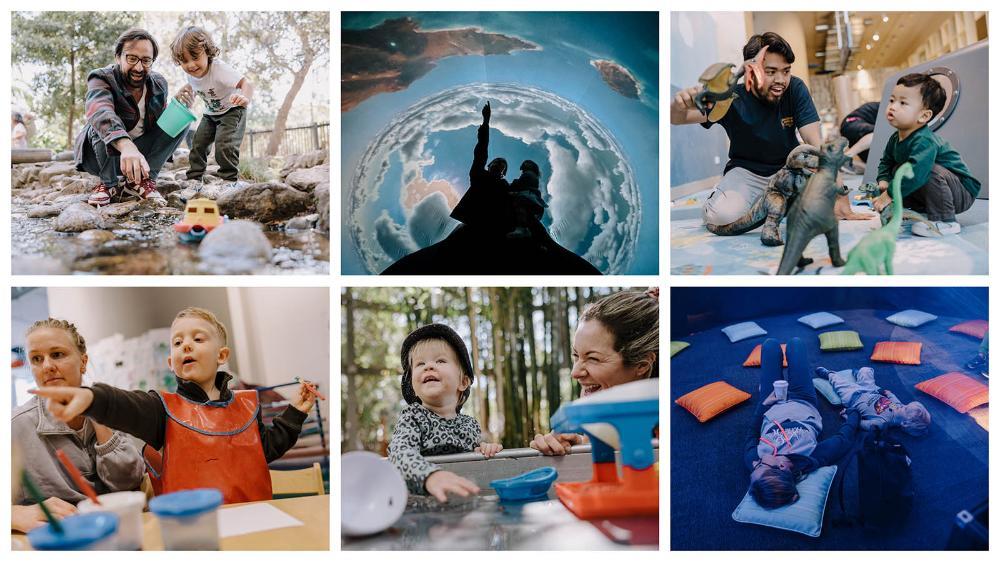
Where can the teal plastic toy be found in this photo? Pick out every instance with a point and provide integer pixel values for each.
(528, 487)
(175, 118)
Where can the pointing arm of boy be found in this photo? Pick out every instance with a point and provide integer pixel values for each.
(66, 403)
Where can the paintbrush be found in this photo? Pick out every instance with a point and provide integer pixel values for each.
(309, 386)
(36, 495)
(74, 473)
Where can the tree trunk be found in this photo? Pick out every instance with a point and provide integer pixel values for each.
(72, 99)
(481, 376)
(281, 120)
(499, 360)
(534, 408)
(350, 369)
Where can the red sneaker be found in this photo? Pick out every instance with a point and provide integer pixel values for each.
(101, 195)
(146, 190)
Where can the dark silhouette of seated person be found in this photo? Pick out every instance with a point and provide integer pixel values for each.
(527, 202)
(486, 206)
(490, 212)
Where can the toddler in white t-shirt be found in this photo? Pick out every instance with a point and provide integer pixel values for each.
(226, 94)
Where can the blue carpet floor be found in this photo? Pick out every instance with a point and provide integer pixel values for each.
(708, 480)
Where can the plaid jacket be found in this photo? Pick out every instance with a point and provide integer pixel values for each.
(112, 112)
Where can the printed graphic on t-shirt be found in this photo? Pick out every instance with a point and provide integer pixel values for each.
(882, 404)
(216, 87)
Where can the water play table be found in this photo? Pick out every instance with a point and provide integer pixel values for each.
(483, 523)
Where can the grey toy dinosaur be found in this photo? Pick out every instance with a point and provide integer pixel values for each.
(812, 212)
(781, 191)
(873, 254)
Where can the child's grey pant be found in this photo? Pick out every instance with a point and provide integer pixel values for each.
(942, 197)
(735, 193)
(226, 131)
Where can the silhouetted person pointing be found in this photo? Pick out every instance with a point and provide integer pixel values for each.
(486, 205)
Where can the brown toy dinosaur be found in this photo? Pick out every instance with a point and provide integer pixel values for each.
(781, 190)
(812, 212)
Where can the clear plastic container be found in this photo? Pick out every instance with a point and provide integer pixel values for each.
(90, 531)
(189, 520)
(128, 506)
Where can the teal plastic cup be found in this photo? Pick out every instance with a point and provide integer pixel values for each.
(175, 118)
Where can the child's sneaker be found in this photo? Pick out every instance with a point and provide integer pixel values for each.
(980, 365)
(146, 190)
(943, 229)
(101, 195)
(822, 373)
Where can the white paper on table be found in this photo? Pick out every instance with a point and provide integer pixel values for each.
(254, 518)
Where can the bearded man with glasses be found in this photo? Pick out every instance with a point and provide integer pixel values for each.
(121, 139)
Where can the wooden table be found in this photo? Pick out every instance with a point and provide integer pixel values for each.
(313, 511)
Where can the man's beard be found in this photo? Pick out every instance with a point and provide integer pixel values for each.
(132, 81)
(765, 95)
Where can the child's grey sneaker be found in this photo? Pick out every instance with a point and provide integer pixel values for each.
(944, 229)
(238, 184)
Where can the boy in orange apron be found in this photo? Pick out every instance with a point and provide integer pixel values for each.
(204, 435)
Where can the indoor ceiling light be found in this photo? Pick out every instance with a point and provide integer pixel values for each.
(875, 37)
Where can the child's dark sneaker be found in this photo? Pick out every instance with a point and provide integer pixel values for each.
(101, 195)
(822, 373)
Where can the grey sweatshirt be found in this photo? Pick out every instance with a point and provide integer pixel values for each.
(798, 420)
(113, 466)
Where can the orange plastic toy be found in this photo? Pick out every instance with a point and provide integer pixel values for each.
(637, 491)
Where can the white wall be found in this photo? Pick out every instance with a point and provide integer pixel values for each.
(282, 333)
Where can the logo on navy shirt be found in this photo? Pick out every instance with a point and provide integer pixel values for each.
(788, 122)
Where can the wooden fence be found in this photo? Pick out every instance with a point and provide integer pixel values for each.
(296, 140)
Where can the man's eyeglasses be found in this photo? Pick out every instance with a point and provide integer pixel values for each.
(132, 59)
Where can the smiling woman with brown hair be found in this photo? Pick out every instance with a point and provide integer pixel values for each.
(108, 459)
(617, 341)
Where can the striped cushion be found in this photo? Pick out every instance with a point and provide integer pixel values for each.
(903, 352)
(753, 360)
(802, 516)
(911, 318)
(818, 320)
(677, 347)
(974, 328)
(957, 390)
(844, 340)
(711, 400)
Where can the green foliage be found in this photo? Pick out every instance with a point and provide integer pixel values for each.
(66, 45)
(255, 170)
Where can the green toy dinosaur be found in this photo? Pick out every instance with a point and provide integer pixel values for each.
(873, 254)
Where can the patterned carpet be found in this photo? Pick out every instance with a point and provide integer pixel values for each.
(696, 251)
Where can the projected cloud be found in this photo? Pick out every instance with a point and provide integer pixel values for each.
(415, 169)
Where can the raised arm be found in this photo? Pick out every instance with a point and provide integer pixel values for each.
(481, 152)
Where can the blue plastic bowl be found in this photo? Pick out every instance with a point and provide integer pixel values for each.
(531, 486)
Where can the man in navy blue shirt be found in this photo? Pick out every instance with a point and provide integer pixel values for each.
(762, 130)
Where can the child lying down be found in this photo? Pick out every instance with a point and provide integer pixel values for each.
(879, 408)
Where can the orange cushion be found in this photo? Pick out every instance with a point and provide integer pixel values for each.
(711, 400)
(957, 390)
(753, 360)
(974, 328)
(904, 352)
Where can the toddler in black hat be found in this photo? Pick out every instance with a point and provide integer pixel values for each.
(437, 380)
